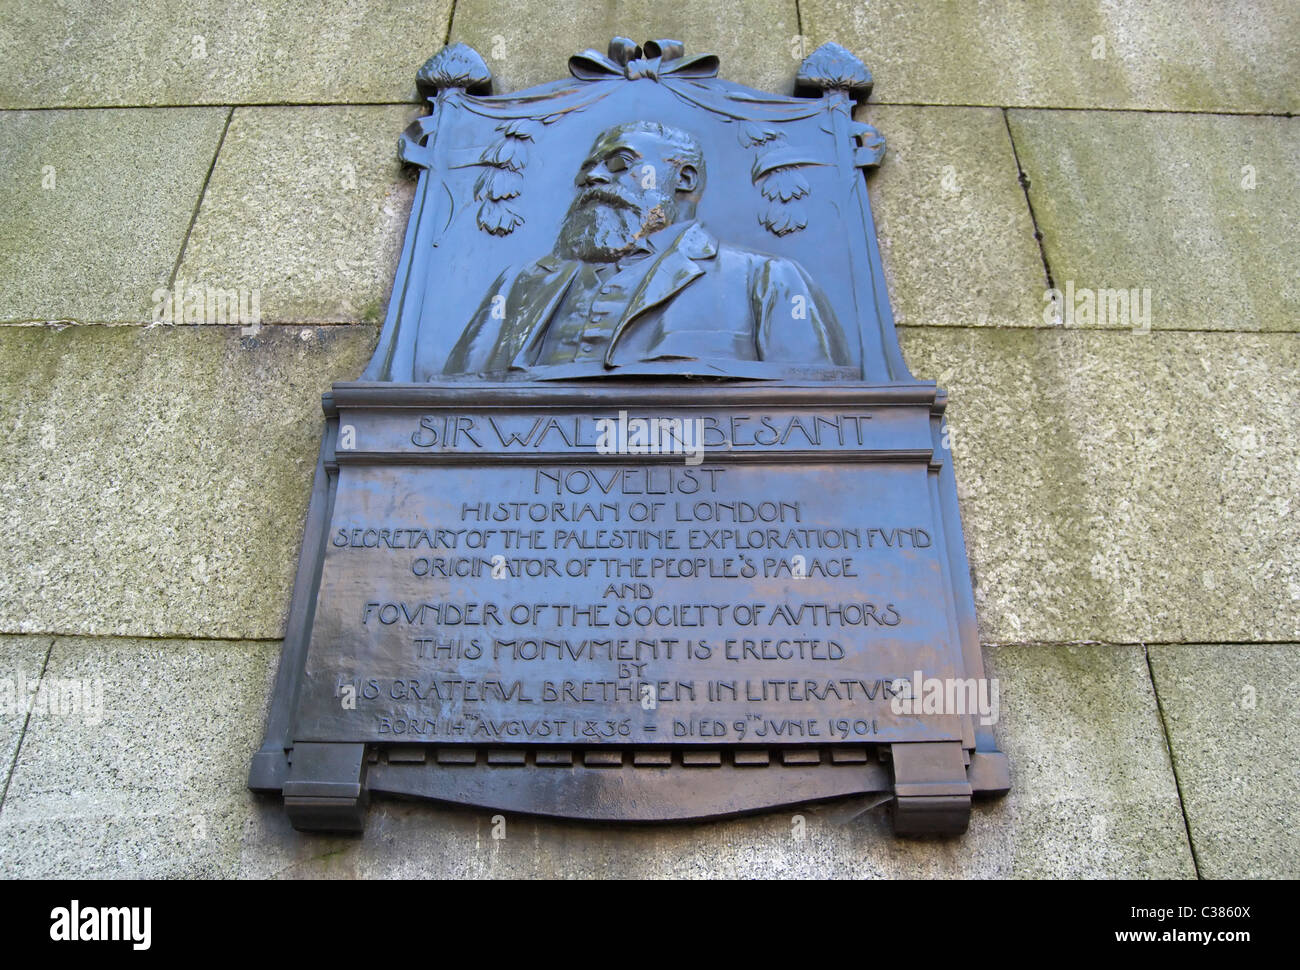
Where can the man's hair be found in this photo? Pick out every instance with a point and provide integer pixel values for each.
(686, 150)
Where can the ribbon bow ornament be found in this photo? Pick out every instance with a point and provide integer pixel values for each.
(656, 59)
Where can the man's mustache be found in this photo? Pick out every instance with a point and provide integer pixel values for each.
(603, 196)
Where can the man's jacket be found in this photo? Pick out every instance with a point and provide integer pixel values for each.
(699, 301)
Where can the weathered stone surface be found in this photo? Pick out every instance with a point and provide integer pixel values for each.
(1093, 792)
(1124, 487)
(21, 662)
(1231, 716)
(1200, 210)
(152, 786)
(1185, 55)
(307, 206)
(94, 207)
(955, 231)
(155, 479)
(87, 53)
(1093, 796)
(757, 42)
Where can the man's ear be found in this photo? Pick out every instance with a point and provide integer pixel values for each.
(688, 178)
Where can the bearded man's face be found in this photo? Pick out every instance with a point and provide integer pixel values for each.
(626, 191)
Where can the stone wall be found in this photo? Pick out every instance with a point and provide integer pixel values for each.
(1127, 485)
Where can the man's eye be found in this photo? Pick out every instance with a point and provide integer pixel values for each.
(618, 163)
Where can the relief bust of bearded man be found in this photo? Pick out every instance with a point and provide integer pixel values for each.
(635, 284)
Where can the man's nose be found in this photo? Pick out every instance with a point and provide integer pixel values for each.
(596, 175)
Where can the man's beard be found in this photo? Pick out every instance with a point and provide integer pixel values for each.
(602, 226)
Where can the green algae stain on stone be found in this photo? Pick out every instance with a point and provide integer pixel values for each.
(166, 470)
(1231, 715)
(96, 206)
(87, 53)
(1072, 53)
(1083, 457)
(1198, 211)
(956, 236)
(308, 207)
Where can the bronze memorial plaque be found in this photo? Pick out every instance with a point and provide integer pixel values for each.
(637, 513)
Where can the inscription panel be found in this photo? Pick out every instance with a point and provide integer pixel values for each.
(629, 603)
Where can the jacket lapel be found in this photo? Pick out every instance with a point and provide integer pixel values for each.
(672, 271)
(540, 289)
